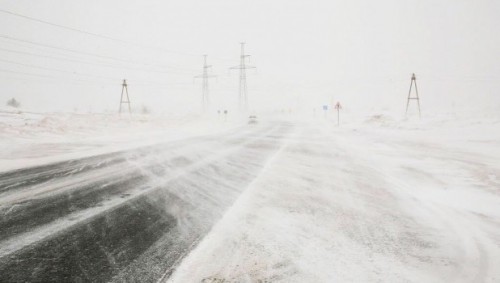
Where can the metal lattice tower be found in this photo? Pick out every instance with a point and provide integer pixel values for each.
(243, 97)
(205, 101)
(122, 101)
(413, 81)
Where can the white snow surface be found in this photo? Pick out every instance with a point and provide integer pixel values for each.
(31, 138)
(384, 200)
(380, 199)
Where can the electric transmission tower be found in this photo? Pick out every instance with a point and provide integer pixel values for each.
(122, 100)
(205, 101)
(243, 98)
(413, 81)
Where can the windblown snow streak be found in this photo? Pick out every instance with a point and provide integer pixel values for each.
(363, 204)
(129, 215)
(271, 202)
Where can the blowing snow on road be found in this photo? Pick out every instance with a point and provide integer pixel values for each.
(189, 141)
(278, 201)
(360, 206)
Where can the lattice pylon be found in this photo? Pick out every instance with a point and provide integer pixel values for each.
(126, 100)
(413, 81)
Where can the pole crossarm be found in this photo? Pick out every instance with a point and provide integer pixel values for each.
(242, 67)
(202, 76)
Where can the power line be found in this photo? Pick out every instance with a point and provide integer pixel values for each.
(89, 63)
(94, 34)
(82, 52)
(55, 70)
(49, 77)
(107, 82)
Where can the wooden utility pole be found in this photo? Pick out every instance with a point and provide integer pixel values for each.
(122, 100)
(413, 81)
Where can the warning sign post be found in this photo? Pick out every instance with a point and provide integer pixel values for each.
(338, 107)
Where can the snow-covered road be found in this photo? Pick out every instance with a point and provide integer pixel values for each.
(129, 215)
(362, 205)
(282, 201)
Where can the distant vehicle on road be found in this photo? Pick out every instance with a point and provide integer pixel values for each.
(252, 119)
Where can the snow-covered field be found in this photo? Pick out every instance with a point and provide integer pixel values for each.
(30, 138)
(378, 201)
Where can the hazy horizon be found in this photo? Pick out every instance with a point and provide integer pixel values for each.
(307, 53)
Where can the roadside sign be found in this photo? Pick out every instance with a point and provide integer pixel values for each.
(338, 107)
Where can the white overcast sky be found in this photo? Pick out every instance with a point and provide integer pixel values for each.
(307, 53)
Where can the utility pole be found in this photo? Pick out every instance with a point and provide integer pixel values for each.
(243, 98)
(122, 101)
(413, 81)
(205, 101)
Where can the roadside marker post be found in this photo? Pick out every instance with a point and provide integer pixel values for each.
(338, 107)
(325, 109)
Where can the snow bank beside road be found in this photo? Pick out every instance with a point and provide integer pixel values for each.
(29, 139)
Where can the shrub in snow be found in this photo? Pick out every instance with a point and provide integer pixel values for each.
(145, 110)
(13, 103)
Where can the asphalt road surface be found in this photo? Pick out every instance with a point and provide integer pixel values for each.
(125, 216)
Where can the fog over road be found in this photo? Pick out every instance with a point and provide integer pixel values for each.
(126, 215)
